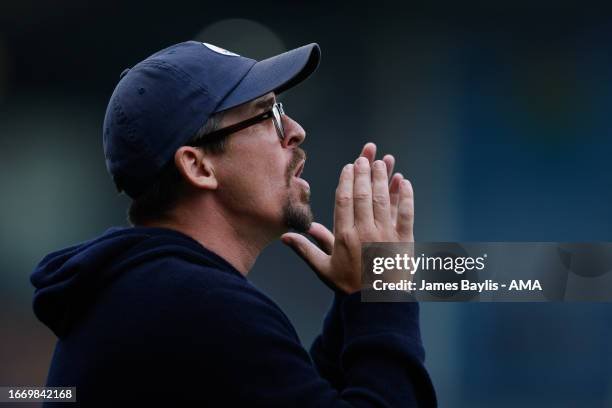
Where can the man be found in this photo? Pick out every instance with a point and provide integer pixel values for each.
(163, 311)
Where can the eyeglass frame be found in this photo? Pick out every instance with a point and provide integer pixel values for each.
(236, 127)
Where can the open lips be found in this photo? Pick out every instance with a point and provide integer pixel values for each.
(299, 169)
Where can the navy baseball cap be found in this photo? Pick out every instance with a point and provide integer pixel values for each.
(160, 103)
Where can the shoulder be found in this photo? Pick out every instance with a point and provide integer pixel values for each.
(207, 290)
(180, 277)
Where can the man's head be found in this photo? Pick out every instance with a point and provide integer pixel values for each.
(248, 172)
(256, 176)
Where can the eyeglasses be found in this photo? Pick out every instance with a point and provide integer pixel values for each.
(275, 113)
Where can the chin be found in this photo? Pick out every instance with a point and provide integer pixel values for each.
(297, 216)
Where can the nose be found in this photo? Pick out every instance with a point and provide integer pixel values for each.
(294, 133)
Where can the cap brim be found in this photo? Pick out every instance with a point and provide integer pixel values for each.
(275, 74)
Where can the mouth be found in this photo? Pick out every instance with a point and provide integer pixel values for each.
(303, 184)
(299, 169)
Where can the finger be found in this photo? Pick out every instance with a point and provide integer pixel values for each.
(394, 186)
(311, 254)
(380, 194)
(362, 194)
(369, 151)
(308, 251)
(323, 236)
(405, 212)
(390, 162)
(343, 210)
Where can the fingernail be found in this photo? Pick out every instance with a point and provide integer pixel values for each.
(379, 164)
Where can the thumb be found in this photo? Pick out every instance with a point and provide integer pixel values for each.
(323, 236)
(312, 255)
(306, 250)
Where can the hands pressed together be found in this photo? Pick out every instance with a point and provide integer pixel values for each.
(372, 205)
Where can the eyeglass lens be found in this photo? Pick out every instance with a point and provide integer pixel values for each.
(278, 112)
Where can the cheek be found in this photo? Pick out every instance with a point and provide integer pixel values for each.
(271, 178)
(266, 166)
(255, 180)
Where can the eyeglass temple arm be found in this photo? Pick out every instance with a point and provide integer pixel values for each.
(234, 128)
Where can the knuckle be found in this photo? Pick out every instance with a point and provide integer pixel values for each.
(362, 195)
(406, 207)
(405, 218)
(380, 199)
(343, 200)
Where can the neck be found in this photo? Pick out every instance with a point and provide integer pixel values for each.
(235, 241)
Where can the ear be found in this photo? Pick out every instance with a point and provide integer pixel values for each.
(196, 167)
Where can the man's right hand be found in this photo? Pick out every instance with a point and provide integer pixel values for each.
(364, 212)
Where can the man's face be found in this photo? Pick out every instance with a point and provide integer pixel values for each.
(259, 173)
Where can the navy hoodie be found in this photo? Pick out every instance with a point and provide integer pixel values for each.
(150, 316)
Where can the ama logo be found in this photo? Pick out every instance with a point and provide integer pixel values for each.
(525, 285)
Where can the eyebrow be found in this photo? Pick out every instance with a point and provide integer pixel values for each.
(265, 103)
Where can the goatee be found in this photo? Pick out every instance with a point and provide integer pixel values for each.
(298, 217)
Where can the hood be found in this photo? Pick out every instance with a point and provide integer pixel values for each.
(68, 280)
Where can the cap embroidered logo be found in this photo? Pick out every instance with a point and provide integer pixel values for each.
(220, 50)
